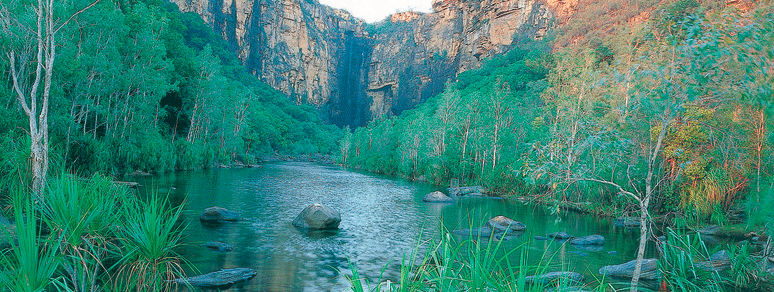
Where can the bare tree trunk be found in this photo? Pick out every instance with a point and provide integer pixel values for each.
(644, 204)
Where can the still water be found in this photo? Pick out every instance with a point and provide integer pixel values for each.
(381, 220)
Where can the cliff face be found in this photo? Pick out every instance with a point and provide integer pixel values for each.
(357, 71)
(412, 60)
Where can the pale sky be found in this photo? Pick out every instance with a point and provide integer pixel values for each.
(376, 10)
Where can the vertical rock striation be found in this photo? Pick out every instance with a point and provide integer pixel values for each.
(358, 72)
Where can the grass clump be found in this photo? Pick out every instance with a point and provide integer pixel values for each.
(474, 263)
(91, 235)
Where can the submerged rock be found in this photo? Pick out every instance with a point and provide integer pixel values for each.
(553, 277)
(220, 280)
(541, 237)
(483, 232)
(559, 236)
(588, 240)
(218, 214)
(218, 246)
(317, 217)
(626, 270)
(437, 197)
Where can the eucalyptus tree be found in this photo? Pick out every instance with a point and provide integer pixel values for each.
(29, 40)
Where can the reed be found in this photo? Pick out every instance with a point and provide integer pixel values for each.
(149, 243)
(469, 264)
(30, 265)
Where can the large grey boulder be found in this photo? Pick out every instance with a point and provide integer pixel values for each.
(553, 277)
(505, 224)
(220, 280)
(437, 197)
(626, 270)
(588, 240)
(218, 214)
(317, 217)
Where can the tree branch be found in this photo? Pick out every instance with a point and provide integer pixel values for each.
(76, 14)
(620, 189)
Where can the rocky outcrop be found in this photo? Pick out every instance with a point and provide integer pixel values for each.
(411, 61)
(324, 56)
(317, 217)
(220, 280)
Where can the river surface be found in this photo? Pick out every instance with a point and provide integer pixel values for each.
(382, 219)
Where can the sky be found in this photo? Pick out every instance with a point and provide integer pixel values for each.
(376, 10)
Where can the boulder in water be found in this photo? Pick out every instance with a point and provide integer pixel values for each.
(559, 236)
(504, 224)
(218, 214)
(220, 280)
(317, 217)
(588, 240)
(437, 197)
(626, 270)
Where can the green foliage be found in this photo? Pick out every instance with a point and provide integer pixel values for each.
(31, 265)
(150, 238)
(468, 264)
(469, 132)
(680, 265)
(134, 78)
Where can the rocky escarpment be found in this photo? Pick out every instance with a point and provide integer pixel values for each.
(412, 60)
(358, 72)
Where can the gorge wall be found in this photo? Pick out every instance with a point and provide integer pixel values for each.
(358, 71)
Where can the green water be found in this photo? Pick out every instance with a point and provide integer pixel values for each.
(382, 217)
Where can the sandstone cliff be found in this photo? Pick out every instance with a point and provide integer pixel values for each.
(358, 71)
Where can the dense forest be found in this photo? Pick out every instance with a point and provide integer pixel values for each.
(139, 86)
(685, 96)
(662, 115)
(95, 90)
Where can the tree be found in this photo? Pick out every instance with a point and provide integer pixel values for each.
(36, 45)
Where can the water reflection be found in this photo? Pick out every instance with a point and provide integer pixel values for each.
(382, 218)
